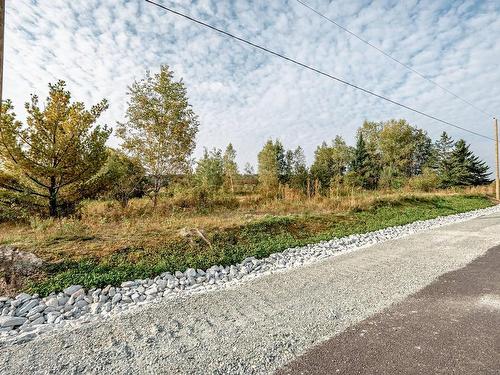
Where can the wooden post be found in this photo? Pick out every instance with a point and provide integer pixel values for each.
(497, 174)
(2, 27)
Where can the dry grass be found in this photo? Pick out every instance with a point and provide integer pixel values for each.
(104, 227)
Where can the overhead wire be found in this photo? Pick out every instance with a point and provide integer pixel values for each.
(311, 68)
(413, 70)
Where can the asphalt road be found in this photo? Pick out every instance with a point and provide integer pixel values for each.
(450, 327)
(260, 325)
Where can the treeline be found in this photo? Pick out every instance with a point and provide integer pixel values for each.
(387, 155)
(59, 156)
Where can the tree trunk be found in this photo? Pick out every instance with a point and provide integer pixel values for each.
(52, 198)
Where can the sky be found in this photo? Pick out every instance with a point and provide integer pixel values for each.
(244, 96)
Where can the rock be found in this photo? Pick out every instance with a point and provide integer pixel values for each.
(62, 300)
(112, 291)
(52, 301)
(11, 321)
(116, 298)
(95, 308)
(128, 284)
(27, 306)
(141, 289)
(81, 304)
(69, 291)
(34, 317)
(35, 310)
(162, 284)
(190, 272)
(179, 274)
(135, 297)
(151, 291)
(37, 321)
(106, 289)
(52, 316)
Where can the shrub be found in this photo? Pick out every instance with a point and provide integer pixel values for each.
(427, 181)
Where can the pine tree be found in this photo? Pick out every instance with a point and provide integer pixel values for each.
(57, 151)
(441, 161)
(362, 165)
(466, 168)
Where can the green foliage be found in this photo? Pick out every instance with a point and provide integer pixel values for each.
(404, 149)
(161, 127)
(298, 170)
(465, 168)
(427, 181)
(210, 170)
(121, 178)
(269, 168)
(260, 239)
(57, 150)
(229, 166)
(364, 171)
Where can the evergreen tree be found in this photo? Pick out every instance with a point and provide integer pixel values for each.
(230, 166)
(466, 168)
(441, 159)
(57, 151)
(362, 165)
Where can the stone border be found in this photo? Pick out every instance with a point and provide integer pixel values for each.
(26, 316)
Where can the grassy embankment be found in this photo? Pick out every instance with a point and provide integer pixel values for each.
(107, 246)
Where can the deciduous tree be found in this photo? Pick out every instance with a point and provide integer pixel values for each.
(230, 166)
(161, 127)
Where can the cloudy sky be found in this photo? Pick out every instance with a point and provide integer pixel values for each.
(244, 96)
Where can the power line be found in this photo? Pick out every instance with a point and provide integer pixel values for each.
(313, 69)
(393, 58)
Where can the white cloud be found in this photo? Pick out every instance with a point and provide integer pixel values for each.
(244, 96)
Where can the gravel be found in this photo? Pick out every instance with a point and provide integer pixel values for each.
(249, 327)
(28, 313)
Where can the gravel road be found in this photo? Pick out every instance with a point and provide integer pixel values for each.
(257, 326)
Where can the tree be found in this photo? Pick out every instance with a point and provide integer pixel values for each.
(230, 167)
(161, 127)
(268, 169)
(342, 155)
(57, 151)
(322, 168)
(299, 173)
(397, 146)
(466, 168)
(442, 155)
(121, 178)
(210, 170)
(362, 165)
(422, 152)
(331, 161)
(248, 169)
(404, 149)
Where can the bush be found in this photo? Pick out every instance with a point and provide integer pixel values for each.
(427, 181)
(201, 198)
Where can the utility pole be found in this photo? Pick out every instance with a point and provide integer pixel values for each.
(497, 180)
(2, 27)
